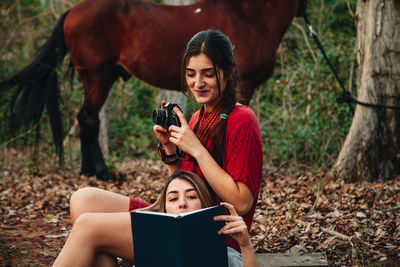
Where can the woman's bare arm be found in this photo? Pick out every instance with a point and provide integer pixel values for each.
(236, 228)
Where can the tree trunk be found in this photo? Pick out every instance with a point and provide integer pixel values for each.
(179, 2)
(103, 132)
(371, 150)
(175, 96)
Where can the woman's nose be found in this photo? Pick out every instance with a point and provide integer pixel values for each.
(199, 83)
(182, 203)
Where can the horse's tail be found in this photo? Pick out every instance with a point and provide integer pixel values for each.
(37, 87)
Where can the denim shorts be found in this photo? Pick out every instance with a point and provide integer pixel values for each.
(234, 258)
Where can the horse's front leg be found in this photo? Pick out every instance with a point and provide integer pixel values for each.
(92, 157)
(96, 88)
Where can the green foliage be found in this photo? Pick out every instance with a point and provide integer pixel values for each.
(299, 118)
(291, 208)
(131, 121)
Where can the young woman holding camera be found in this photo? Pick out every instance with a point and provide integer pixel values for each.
(97, 238)
(221, 142)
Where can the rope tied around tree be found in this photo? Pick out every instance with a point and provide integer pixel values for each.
(346, 96)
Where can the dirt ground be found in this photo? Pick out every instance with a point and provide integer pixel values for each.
(351, 224)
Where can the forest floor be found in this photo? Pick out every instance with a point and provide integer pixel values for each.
(352, 224)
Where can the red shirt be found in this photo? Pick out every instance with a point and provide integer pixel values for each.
(242, 157)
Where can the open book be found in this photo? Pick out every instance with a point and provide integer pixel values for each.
(183, 240)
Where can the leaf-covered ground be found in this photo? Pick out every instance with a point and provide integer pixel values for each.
(351, 224)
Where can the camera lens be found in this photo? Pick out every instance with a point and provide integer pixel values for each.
(160, 117)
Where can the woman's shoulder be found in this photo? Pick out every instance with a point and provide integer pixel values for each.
(242, 120)
(242, 113)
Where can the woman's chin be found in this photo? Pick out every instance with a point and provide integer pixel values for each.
(201, 100)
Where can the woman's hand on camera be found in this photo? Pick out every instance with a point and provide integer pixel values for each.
(235, 226)
(184, 137)
(163, 135)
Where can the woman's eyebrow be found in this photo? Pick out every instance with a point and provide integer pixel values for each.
(186, 191)
(206, 69)
(190, 190)
(172, 192)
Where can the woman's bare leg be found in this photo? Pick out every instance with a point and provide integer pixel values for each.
(95, 200)
(97, 233)
(104, 260)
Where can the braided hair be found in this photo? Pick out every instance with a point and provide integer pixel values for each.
(218, 48)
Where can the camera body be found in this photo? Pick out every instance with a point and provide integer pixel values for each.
(166, 116)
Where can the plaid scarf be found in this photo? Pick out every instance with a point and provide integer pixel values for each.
(204, 132)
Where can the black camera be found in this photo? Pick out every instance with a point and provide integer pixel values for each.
(166, 116)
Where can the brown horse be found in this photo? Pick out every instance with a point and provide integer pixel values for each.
(111, 38)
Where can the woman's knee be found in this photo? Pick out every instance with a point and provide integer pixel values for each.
(105, 233)
(85, 227)
(81, 201)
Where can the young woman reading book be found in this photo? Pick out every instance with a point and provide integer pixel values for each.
(97, 238)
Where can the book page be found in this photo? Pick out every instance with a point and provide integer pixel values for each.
(157, 213)
(194, 211)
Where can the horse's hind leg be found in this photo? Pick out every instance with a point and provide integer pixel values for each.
(96, 88)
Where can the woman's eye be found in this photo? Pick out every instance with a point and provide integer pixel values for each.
(172, 199)
(192, 197)
(190, 74)
(209, 73)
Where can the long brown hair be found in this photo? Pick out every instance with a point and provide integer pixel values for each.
(202, 191)
(218, 48)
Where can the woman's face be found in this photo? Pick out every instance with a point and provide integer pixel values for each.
(202, 81)
(181, 196)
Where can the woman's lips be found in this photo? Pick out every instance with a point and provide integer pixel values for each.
(201, 92)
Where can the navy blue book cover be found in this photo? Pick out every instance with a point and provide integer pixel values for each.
(183, 240)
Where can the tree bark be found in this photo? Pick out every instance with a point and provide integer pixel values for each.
(179, 2)
(175, 96)
(371, 149)
(103, 131)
